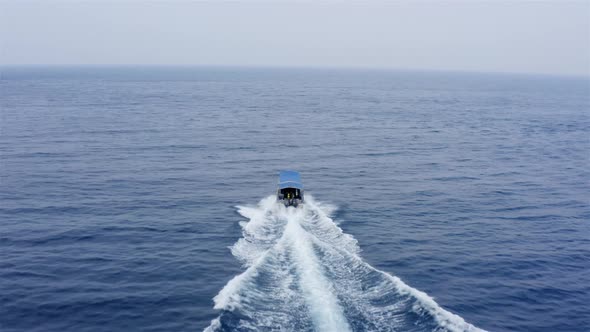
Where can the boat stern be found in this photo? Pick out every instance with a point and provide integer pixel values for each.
(290, 191)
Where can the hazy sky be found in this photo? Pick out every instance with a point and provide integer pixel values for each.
(508, 36)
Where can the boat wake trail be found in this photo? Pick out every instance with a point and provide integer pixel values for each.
(304, 274)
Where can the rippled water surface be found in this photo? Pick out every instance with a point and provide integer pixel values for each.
(437, 201)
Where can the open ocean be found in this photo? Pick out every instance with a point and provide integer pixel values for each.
(140, 199)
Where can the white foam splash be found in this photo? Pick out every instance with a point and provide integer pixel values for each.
(326, 312)
(303, 273)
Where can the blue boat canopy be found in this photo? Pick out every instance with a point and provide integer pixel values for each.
(290, 179)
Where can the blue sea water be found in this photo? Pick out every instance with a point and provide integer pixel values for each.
(131, 197)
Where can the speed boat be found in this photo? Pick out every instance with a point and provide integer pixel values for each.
(290, 190)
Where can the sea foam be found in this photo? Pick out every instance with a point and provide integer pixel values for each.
(303, 273)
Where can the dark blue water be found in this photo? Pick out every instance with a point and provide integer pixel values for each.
(119, 189)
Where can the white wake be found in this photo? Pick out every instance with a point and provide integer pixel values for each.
(304, 274)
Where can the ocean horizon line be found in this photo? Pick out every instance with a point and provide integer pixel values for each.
(291, 68)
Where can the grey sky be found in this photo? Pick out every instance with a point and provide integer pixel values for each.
(509, 36)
